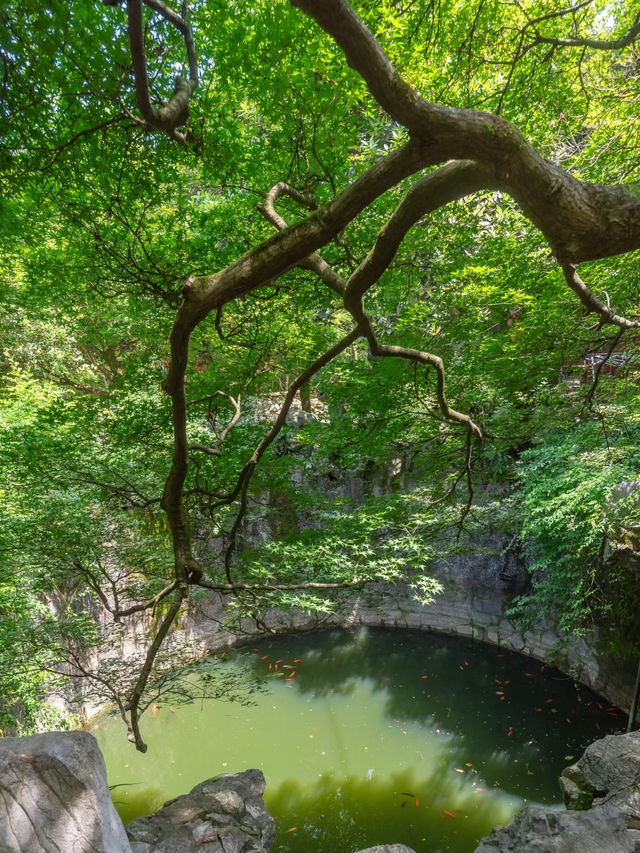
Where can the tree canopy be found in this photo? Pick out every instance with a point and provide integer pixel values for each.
(417, 218)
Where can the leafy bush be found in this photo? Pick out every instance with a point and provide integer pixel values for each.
(569, 523)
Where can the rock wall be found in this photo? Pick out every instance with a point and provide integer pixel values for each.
(479, 585)
(480, 582)
(477, 594)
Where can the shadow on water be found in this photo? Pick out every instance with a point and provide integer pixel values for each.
(501, 708)
(136, 801)
(372, 737)
(342, 814)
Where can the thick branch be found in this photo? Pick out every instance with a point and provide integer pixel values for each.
(451, 182)
(581, 221)
(287, 248)
(176, 111)
(133, 700)
(314, 261)
(253, 270)
(180, 24)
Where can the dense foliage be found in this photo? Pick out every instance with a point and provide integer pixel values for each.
(102, 220)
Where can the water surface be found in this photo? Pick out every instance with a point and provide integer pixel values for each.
(372, 737)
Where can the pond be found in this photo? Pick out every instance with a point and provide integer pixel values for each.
(372, 737)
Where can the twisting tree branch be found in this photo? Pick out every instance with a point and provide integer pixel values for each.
(242, 486)
(151, 604)
(175, 112)
(580, 221)
(588, 400)
(431, 192)
(132, 705)
(314, 261)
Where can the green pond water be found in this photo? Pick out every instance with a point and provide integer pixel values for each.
(369, 738)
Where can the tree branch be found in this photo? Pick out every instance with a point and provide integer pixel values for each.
(232, 588)
(448, 183)
(581, 221)
(132, 705)
(215, 449)
(242, 485)
(151, 603)
(592, 303)
(176, 111)
(596, 44)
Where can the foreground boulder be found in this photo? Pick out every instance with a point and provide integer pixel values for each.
(608, 772)
(54, 797)
(544, 830)
(602, 794)
(222, 815)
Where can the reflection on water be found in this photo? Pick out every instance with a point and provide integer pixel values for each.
(370, 738)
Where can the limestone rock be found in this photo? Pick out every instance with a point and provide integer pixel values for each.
(221, 815)
(388, 848)
(577, 797)
(543, 830)
(54, 796)
(608, 772)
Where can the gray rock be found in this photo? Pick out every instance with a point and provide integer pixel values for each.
(608, 773)
(543, 830)
(388, 848)
(54, 796)
(576, 796)
(221, 815)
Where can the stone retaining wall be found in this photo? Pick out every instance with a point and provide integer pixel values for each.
(479, 586)
(477, 593)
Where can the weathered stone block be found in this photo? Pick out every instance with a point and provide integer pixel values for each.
(54, 796)
(542, 830)
(221, 815)
(388, 848)
(609, 771)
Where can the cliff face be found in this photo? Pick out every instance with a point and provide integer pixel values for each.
(479, 584)
(480, 578)
(477, 594)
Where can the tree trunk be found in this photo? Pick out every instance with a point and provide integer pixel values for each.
(633, 710)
